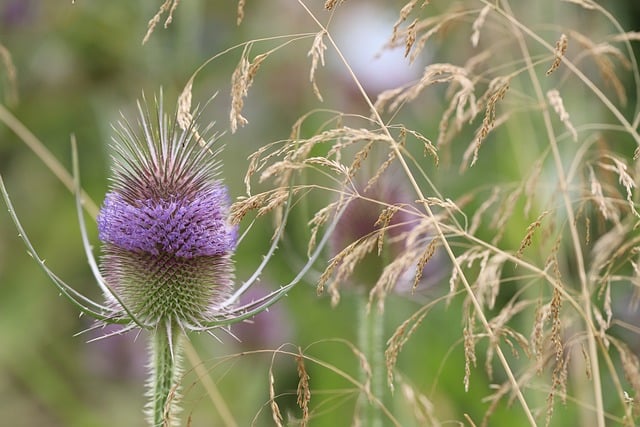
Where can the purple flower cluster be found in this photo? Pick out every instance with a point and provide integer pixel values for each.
(180, 227)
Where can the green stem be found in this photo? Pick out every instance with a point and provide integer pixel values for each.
(165, 354)
(371, 343)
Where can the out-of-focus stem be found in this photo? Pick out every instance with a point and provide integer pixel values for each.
(371, 343)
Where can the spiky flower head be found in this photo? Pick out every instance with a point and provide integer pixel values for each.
(167, 244)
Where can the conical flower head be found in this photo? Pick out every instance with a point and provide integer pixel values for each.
(167, 244)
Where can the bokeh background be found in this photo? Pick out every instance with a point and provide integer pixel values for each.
(78, 67)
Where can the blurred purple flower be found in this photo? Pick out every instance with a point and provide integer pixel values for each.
(360, 217)
(16, 12)
(360, 220)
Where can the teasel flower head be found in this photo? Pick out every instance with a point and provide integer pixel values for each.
(167, 244)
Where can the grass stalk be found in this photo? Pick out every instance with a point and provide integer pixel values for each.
(371, 343)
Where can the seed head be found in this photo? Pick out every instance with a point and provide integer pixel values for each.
(167, 244)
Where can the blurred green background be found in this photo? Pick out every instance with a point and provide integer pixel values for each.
(80, 65)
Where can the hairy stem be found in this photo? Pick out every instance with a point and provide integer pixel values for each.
(165, 369)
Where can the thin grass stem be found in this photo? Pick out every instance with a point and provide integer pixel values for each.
(371, 344)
